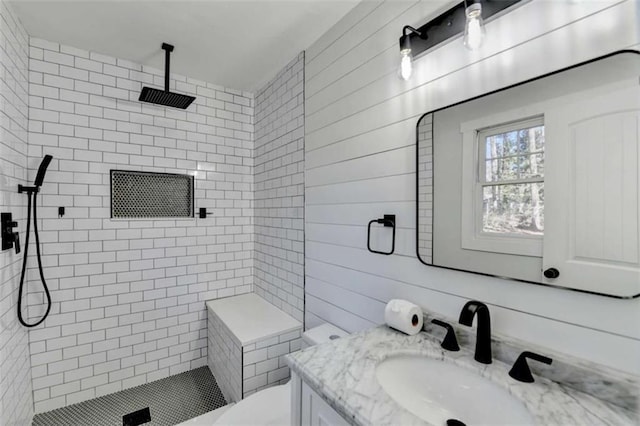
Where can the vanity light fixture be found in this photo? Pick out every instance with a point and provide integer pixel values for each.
(465, 17)
(474, 26)
(406, 57)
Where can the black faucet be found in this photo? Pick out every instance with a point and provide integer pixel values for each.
(483, 336)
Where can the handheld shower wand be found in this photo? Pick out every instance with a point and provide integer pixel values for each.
(42, 170)
(33, 190)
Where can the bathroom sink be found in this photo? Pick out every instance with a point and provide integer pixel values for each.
(437, 391)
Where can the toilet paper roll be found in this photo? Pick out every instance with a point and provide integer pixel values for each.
(404, 316)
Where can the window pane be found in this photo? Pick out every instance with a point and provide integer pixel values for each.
(510, 143)
(501, 169)
(531, 166)
(494, 146)
(530, 139)
(514, 209)
(517, 154)
(536, 135)
(519, 141)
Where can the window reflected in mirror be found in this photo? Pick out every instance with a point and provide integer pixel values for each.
(511, 178)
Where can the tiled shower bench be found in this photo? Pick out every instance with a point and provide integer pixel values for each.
(247, 340)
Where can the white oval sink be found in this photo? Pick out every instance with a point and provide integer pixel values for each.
(437, 391)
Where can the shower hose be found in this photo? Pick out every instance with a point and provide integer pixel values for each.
(24, 261)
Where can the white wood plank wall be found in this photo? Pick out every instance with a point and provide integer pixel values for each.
(360, 164)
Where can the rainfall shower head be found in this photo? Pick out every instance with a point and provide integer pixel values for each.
(165, 97)
(42, 170)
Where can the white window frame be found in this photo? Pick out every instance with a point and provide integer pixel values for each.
(473, 236)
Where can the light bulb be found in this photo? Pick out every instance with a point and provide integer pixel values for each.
(406, 67)
(474, 28)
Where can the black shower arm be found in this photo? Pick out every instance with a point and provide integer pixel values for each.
(167, 61)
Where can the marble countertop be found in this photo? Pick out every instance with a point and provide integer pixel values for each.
(342, 372)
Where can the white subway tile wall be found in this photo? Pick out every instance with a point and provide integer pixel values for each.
(243, 370)
(279, 185)
(263, 363)
(425, 188)
(16, 401)
(129, 294)
(224, 358)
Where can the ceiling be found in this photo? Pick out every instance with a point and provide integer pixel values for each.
(239, 44)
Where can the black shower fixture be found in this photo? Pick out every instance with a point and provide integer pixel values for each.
(165, 97)
(32, 192)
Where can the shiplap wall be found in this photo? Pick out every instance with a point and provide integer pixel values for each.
(360, 164)
(16, 400)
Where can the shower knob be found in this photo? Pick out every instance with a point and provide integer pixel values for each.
(551, 273)
(16, 242)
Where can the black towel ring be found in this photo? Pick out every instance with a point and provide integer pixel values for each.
(389, 220)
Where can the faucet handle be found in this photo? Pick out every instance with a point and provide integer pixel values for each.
(16, 241)
(449, 342)
(520, 370)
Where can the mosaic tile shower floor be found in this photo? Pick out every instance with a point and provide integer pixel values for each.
(171, 401)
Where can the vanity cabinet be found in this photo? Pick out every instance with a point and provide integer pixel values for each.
(309, 409)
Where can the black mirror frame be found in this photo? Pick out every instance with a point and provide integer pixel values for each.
(599, 58)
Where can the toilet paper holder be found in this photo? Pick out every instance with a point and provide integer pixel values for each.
(389, 220)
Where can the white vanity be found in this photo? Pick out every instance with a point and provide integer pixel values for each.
(308, 407)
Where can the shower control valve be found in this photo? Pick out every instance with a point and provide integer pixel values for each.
(9, 238)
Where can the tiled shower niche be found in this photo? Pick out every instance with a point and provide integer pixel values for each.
(150, 195)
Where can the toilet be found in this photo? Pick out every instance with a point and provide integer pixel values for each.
(271, 406)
